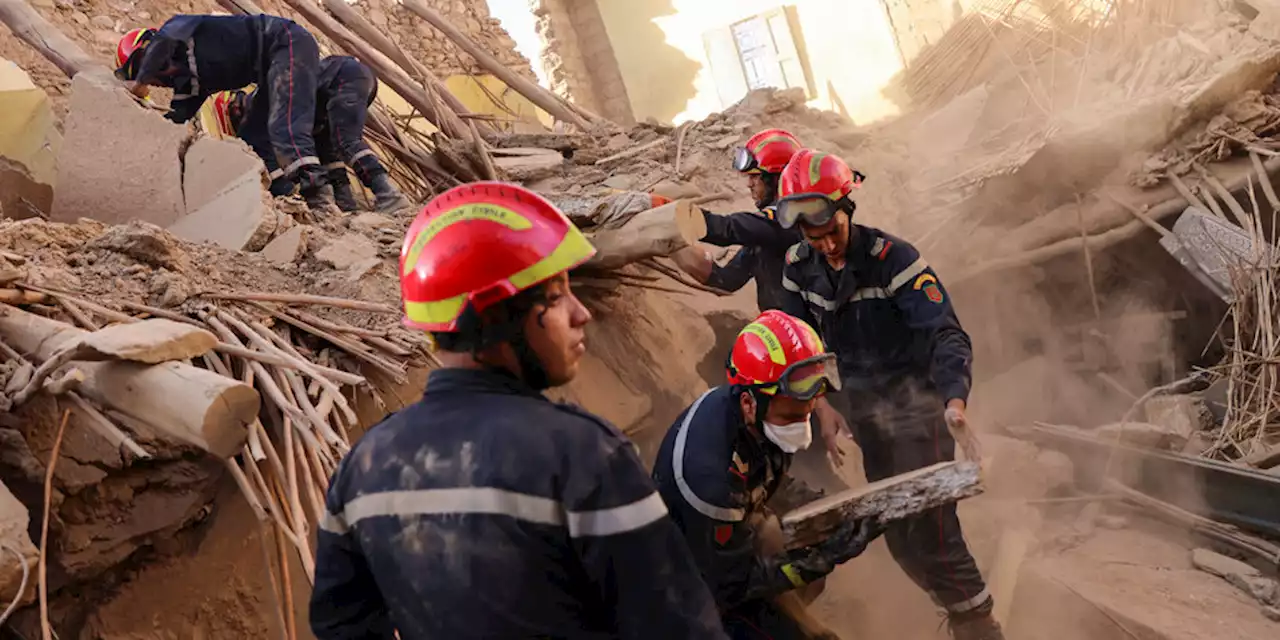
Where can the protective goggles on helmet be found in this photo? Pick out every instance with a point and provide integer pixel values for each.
(128, 72)
(744, 160)
(807, 379)
(814, 209)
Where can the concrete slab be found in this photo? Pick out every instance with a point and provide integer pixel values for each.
(347, 251)
(240, 219)
(213, 166)
(370, 223)
(119, 161)
(20, 195)
(14, 522)
(287, 247)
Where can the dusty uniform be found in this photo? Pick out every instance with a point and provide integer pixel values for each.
(344, 90)
(486, 511)
(716, 478)
(902, 355)
(762, 256)
(223, 53)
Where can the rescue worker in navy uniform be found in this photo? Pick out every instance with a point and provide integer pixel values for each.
(905, 365)
(485, 510)
(198, 56)
(728, 455)
(764, 243)
(345, 89)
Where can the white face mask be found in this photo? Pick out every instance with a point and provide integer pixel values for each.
(789, 437)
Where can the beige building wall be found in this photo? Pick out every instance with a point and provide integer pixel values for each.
(679, 59)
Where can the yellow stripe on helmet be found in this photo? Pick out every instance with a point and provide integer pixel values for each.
(775, 138)
(770, 341)
(572, 251)
(815, 167)
(472, 211)
(436, 311)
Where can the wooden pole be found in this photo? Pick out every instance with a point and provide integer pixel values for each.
(547, 101)
(656, 232)
(32, 28)
(349, 17)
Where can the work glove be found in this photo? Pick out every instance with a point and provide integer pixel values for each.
(849, 541)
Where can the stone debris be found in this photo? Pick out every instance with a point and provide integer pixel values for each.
(119, 161)
(347, 251)
(1144, 434)
(287, 247)
(1184, 414)
(1242, 576)
(211, 167)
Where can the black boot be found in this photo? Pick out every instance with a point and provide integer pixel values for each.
(343, 196)
(387, 198)
(319, 197)
(975, 627)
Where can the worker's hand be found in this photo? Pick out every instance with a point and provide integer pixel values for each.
(832, 424)
(694, 261)
(958, 425)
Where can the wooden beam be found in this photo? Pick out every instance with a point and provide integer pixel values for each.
(33, 29)
(547, 101)
(655, 232)
(189, 404)
(890, 499)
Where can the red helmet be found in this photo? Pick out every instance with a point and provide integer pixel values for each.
(479, 244)
(132, 41)
(813, 187)
(766, 152)
(781, 354)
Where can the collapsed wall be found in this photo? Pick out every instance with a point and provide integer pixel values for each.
(430, 47)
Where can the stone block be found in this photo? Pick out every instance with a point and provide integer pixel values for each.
(213, 166)
(119, 161)
(347, 251)
(1143, 434)
(1242, 576)
(287, 247)
(14, 523)
(240, 219)
(370, 223)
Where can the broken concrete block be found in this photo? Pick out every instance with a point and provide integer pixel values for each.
(239, 219)
(21, 196)
(14, 522)
(1271, 613)
(347, 250)
(531, 167)
(213, 166)
(119, 161)
(370, 223)
(1143, 434)
(287, 247)
(1184, 414)
(1242, 576)
(145, 243)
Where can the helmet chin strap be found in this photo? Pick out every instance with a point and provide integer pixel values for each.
(531, 370)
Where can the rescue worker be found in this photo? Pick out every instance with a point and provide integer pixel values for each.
(485, 510)
(764, 243)
(904, 363)
(345, 89)
(200, 55)
(728, 455)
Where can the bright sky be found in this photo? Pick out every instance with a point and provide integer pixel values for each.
(517, 19)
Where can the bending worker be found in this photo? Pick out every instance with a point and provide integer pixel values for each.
(764, 243)
(345, 89)
(485, 510)
(727, 456)
(905, 364)
(198, 56)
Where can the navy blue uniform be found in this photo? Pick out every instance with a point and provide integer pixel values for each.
(716, 476)
(902, 356)
(198, 56)
(345, 89)
(763, 254)
(485, 510)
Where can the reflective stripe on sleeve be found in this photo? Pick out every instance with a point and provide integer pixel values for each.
(906, 275)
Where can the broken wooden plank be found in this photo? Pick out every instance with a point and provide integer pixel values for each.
(656, 232)
(891, 499)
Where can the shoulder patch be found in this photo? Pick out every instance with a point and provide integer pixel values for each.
(880, 248)
(797, 252)
(922, 280)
